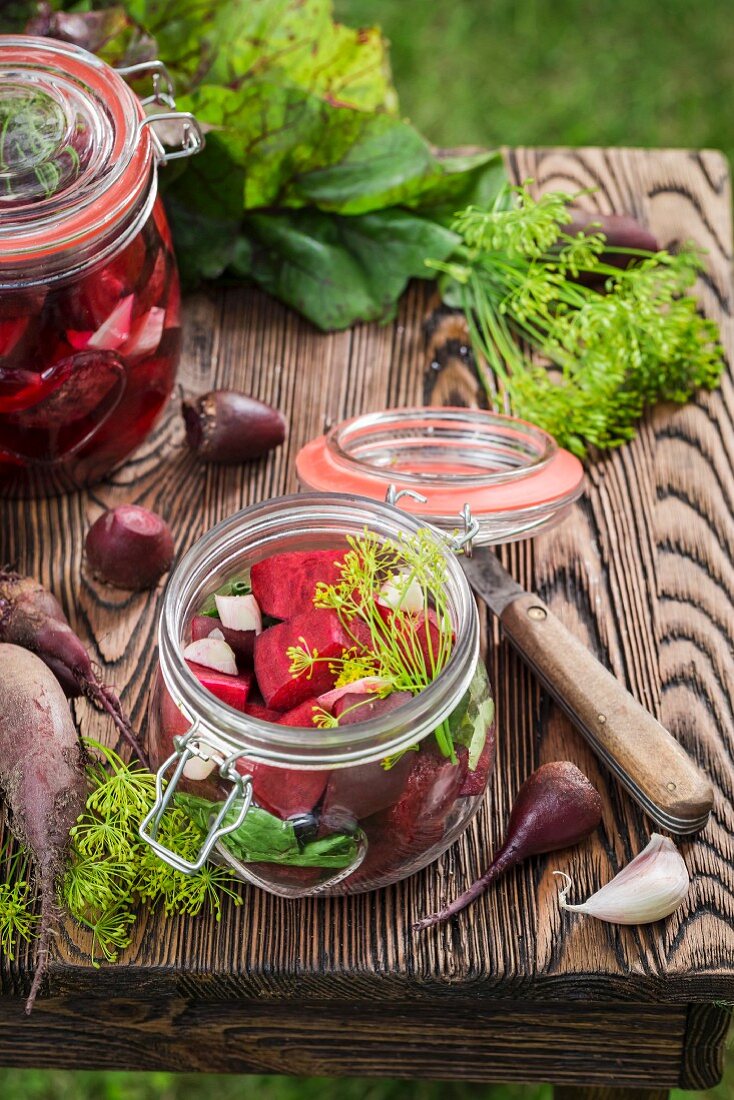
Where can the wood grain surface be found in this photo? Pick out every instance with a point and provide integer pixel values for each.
(641, 571)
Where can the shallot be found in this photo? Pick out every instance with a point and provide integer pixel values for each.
(556, 807)
(226, 426)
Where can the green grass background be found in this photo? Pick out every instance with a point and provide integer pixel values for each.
(606, 72)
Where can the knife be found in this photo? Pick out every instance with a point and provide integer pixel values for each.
(648, 761)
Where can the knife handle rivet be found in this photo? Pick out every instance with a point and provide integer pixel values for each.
(601, 718)
(537, 613)
(670, 786)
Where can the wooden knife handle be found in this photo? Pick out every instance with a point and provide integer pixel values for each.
(650, 763)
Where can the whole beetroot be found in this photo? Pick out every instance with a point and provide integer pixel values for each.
(32, 618)
(227, 426)
(41, 777)
(620, 230)
(556, 807)
(129, 547)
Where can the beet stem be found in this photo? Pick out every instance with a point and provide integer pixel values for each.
(501, 863)
(105, 700)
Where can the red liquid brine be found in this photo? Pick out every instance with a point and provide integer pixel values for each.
(87, 367)
(89, 293)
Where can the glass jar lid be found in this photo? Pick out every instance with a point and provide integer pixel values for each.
(77, 153)
(451, 465)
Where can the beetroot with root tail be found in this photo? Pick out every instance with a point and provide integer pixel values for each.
(41, 777)
(227, 426)
(556, 807)
(32, 618)
(129, 547)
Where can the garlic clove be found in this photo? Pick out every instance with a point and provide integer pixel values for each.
(239, 612)
(401, 592)
(213, 653)
(649, 888)
(363, 686)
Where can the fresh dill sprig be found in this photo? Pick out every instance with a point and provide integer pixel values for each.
(110, 871)
(18, 921)
(393, 652)
(604, 352)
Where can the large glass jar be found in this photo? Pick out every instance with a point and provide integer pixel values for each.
(357, 824)
(89, 294)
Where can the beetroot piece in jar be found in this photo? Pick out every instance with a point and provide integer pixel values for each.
(301, 716)
(284, 584)
(232, 690)
(320, 631)
(355, 793)
(89, 294)
(417, 819)
(75, 398)
(285, 792)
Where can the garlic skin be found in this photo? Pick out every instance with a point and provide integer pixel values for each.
(649, 888)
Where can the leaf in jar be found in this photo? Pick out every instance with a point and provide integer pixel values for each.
(483, 719)
(338, 270)
(264, 838)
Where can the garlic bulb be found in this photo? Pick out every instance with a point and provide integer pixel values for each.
(649, 888)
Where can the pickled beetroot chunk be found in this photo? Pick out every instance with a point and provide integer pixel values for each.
(302, 715)
(284, 584)
(230, 689)
(431, 787)
(284, 791)
(259, 710)
(357, 792)
(321, 631)
(360, 708)
(417, 820)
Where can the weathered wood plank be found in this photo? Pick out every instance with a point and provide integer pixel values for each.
(559, 1044)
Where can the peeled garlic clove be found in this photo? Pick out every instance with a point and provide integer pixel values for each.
(400, 592)
(198, 769)
(649, 888)
(213, 653)
(239, 612)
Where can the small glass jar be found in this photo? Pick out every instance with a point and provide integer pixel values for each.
(361, 825)
(498, 477)
(89, 294)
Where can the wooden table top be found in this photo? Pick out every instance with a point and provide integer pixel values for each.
(642, 571)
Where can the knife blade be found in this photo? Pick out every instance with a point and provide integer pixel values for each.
(652, 766)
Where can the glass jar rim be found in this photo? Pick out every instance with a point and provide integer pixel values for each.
(358, 743)
(533, 447)
(50, 233)
(512, 475)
